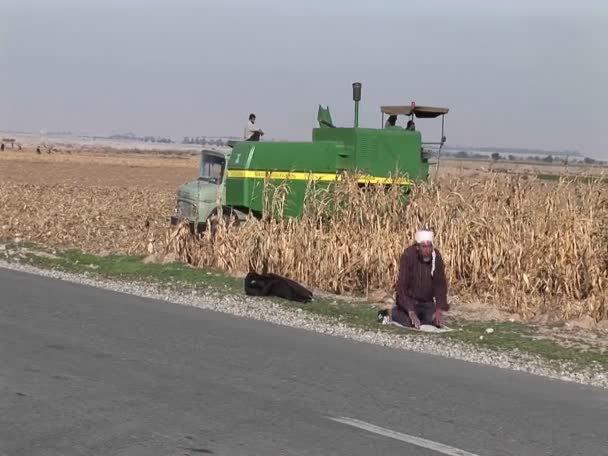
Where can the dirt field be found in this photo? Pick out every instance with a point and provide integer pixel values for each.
(104, 200)
(98, 202)
(97, 170)
(478, 167)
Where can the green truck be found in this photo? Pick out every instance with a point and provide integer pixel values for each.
(231, 182)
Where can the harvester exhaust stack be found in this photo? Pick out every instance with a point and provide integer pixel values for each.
(356, 99)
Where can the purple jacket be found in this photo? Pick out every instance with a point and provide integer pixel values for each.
(416, 284)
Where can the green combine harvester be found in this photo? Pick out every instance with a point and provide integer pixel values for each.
(231, 183)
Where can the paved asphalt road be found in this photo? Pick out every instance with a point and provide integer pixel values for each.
(91, 372)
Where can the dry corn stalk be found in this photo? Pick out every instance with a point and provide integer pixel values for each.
(526, 245)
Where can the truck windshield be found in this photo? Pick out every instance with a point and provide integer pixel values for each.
(212, 168)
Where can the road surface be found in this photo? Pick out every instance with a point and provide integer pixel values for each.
(91, 372)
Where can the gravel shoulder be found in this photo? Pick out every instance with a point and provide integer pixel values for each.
(228, 301)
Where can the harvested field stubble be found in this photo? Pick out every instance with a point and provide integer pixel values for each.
(527, 246)
(94, 219)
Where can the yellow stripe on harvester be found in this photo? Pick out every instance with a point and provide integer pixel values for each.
(325, 177)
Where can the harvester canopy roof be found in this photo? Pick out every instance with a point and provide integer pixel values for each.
(425, 112)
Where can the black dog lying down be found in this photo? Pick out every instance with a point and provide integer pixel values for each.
(274, 285)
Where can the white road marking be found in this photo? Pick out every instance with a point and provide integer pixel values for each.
(429, 444)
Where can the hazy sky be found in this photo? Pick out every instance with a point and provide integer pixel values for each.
(524, 73)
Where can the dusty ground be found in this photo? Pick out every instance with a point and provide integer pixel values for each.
(479, 167)
(97, 169)
(98, 202)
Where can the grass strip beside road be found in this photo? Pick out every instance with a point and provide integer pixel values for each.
(512, 337)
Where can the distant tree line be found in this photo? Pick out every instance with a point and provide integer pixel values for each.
(523, 151)
(203, 141)
(150, 139)
(495, 156)
(198, 140)
(470, 155)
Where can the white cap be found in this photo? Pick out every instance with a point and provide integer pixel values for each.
(424, 236)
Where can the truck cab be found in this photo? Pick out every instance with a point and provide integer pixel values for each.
(199, 199)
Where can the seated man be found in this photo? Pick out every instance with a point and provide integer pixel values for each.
(391, 122)
(411, 126)
(422, 286)
(251, 132)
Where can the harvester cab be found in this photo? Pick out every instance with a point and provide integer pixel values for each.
(421, 112)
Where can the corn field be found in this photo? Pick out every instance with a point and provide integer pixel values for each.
(94, 219)
(524, 245)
